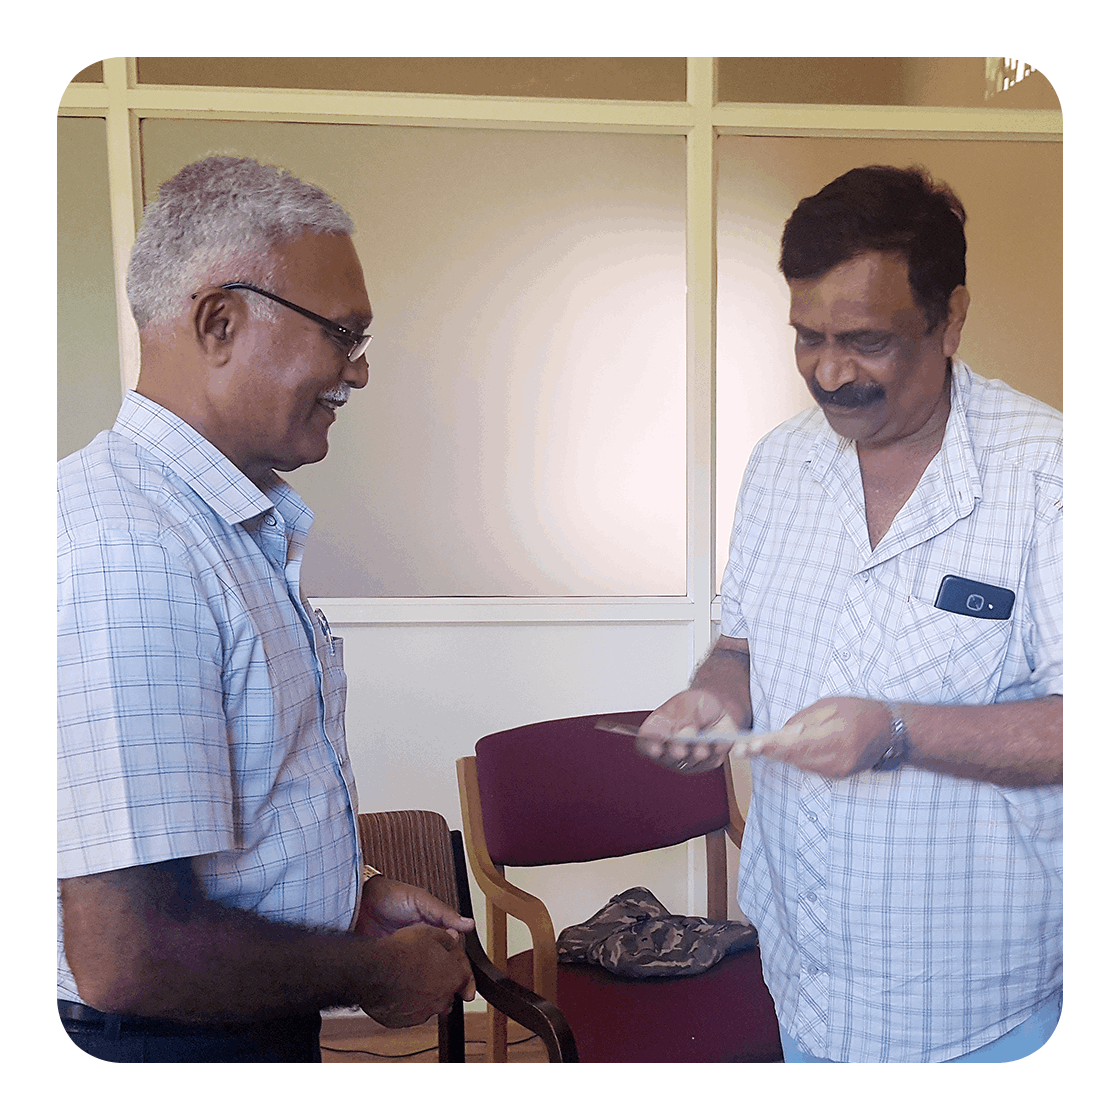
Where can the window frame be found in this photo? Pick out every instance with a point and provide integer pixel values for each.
(124, 103)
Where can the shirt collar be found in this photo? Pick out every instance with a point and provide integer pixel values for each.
(957, 455)
(200, 465)
(956, 452)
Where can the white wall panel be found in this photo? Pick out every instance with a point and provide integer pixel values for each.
(420, 696)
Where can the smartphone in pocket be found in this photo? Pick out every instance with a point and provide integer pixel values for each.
(969, 597)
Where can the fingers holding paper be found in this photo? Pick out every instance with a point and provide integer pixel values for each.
(691, 732)
(836, 737)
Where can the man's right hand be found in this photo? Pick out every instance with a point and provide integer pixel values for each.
(420, 969)
(664, 734)
(719, 699)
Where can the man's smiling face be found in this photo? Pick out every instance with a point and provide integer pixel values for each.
(292, 374)
(865, 350)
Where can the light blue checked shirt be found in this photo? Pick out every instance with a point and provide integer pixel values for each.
(904, 916)
(200, 700)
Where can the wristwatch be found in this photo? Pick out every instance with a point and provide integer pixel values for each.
(899, 745)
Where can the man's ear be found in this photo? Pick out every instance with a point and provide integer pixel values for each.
(958, 312)
(217, 318)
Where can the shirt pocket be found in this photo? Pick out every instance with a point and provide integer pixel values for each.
(939, 657)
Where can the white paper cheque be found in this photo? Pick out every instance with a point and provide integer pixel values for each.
(741, 742)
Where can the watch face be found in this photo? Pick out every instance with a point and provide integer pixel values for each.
(899, 748)
(890, 761)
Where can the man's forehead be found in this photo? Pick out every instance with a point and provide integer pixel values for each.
(872, 286)
(324, 266)
(315, 253)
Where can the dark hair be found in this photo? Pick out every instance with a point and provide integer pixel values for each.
(882, 209)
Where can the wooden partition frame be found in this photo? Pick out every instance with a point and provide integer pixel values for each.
(123, 102)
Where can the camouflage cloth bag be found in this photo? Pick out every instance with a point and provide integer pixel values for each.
(634, 935)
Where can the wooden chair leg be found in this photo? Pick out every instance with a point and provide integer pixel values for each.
(496, 1023)
(496, 1035)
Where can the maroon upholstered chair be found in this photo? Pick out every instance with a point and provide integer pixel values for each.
(562, 792)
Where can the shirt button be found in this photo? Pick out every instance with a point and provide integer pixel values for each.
(844, 655)
(270, 521)
(810, 897)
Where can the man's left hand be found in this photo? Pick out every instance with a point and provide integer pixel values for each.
(835, 737)
(388, 906)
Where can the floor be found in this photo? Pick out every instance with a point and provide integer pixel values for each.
(357, 1038)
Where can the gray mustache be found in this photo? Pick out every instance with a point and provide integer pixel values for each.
(338, 396)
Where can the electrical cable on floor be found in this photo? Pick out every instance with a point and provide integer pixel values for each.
(425, 1050)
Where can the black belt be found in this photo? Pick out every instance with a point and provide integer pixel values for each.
(81, 1015)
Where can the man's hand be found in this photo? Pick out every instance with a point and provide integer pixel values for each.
(1017, 743)
(398, 914)
(664, 734)
(719, 699)
(388, 906)
(145, 941)
(835, 737)
(420, 969)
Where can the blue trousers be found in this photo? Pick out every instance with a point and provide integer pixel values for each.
(1022, 1040)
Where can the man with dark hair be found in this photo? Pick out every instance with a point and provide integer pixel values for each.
(885, 210)
(892, 631)
(212, 897)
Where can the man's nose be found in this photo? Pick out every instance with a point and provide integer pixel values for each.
(356, 374)
(833, 367)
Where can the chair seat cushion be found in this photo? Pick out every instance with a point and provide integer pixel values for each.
(725, 1014)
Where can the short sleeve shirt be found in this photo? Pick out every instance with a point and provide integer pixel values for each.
(903, 916)
(200, 700)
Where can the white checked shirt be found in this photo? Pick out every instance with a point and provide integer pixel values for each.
(200, 702)
(903, 916)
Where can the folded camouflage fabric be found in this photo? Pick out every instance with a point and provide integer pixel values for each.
(634, 935)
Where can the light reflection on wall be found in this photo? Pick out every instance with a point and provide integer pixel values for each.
(528, 388)
(757, 385)
(595, 483)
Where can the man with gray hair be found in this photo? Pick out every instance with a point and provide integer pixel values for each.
(212, 898)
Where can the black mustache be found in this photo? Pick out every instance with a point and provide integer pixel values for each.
(848, 396)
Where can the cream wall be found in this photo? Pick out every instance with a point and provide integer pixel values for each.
(430, 673)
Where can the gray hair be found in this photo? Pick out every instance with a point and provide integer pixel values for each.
(216, 221)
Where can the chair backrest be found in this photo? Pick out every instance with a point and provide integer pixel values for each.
(562, 792)
(413, 846)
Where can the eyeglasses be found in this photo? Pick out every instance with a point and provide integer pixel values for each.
(356, 343)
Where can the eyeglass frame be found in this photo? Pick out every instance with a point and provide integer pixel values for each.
(359, 343)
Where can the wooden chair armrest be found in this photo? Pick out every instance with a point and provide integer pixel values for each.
(519, 904)
(540, 1016)
(737, 822)
(536, 1013)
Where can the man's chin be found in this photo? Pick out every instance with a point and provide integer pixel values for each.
(848, 423)
(303, 459)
